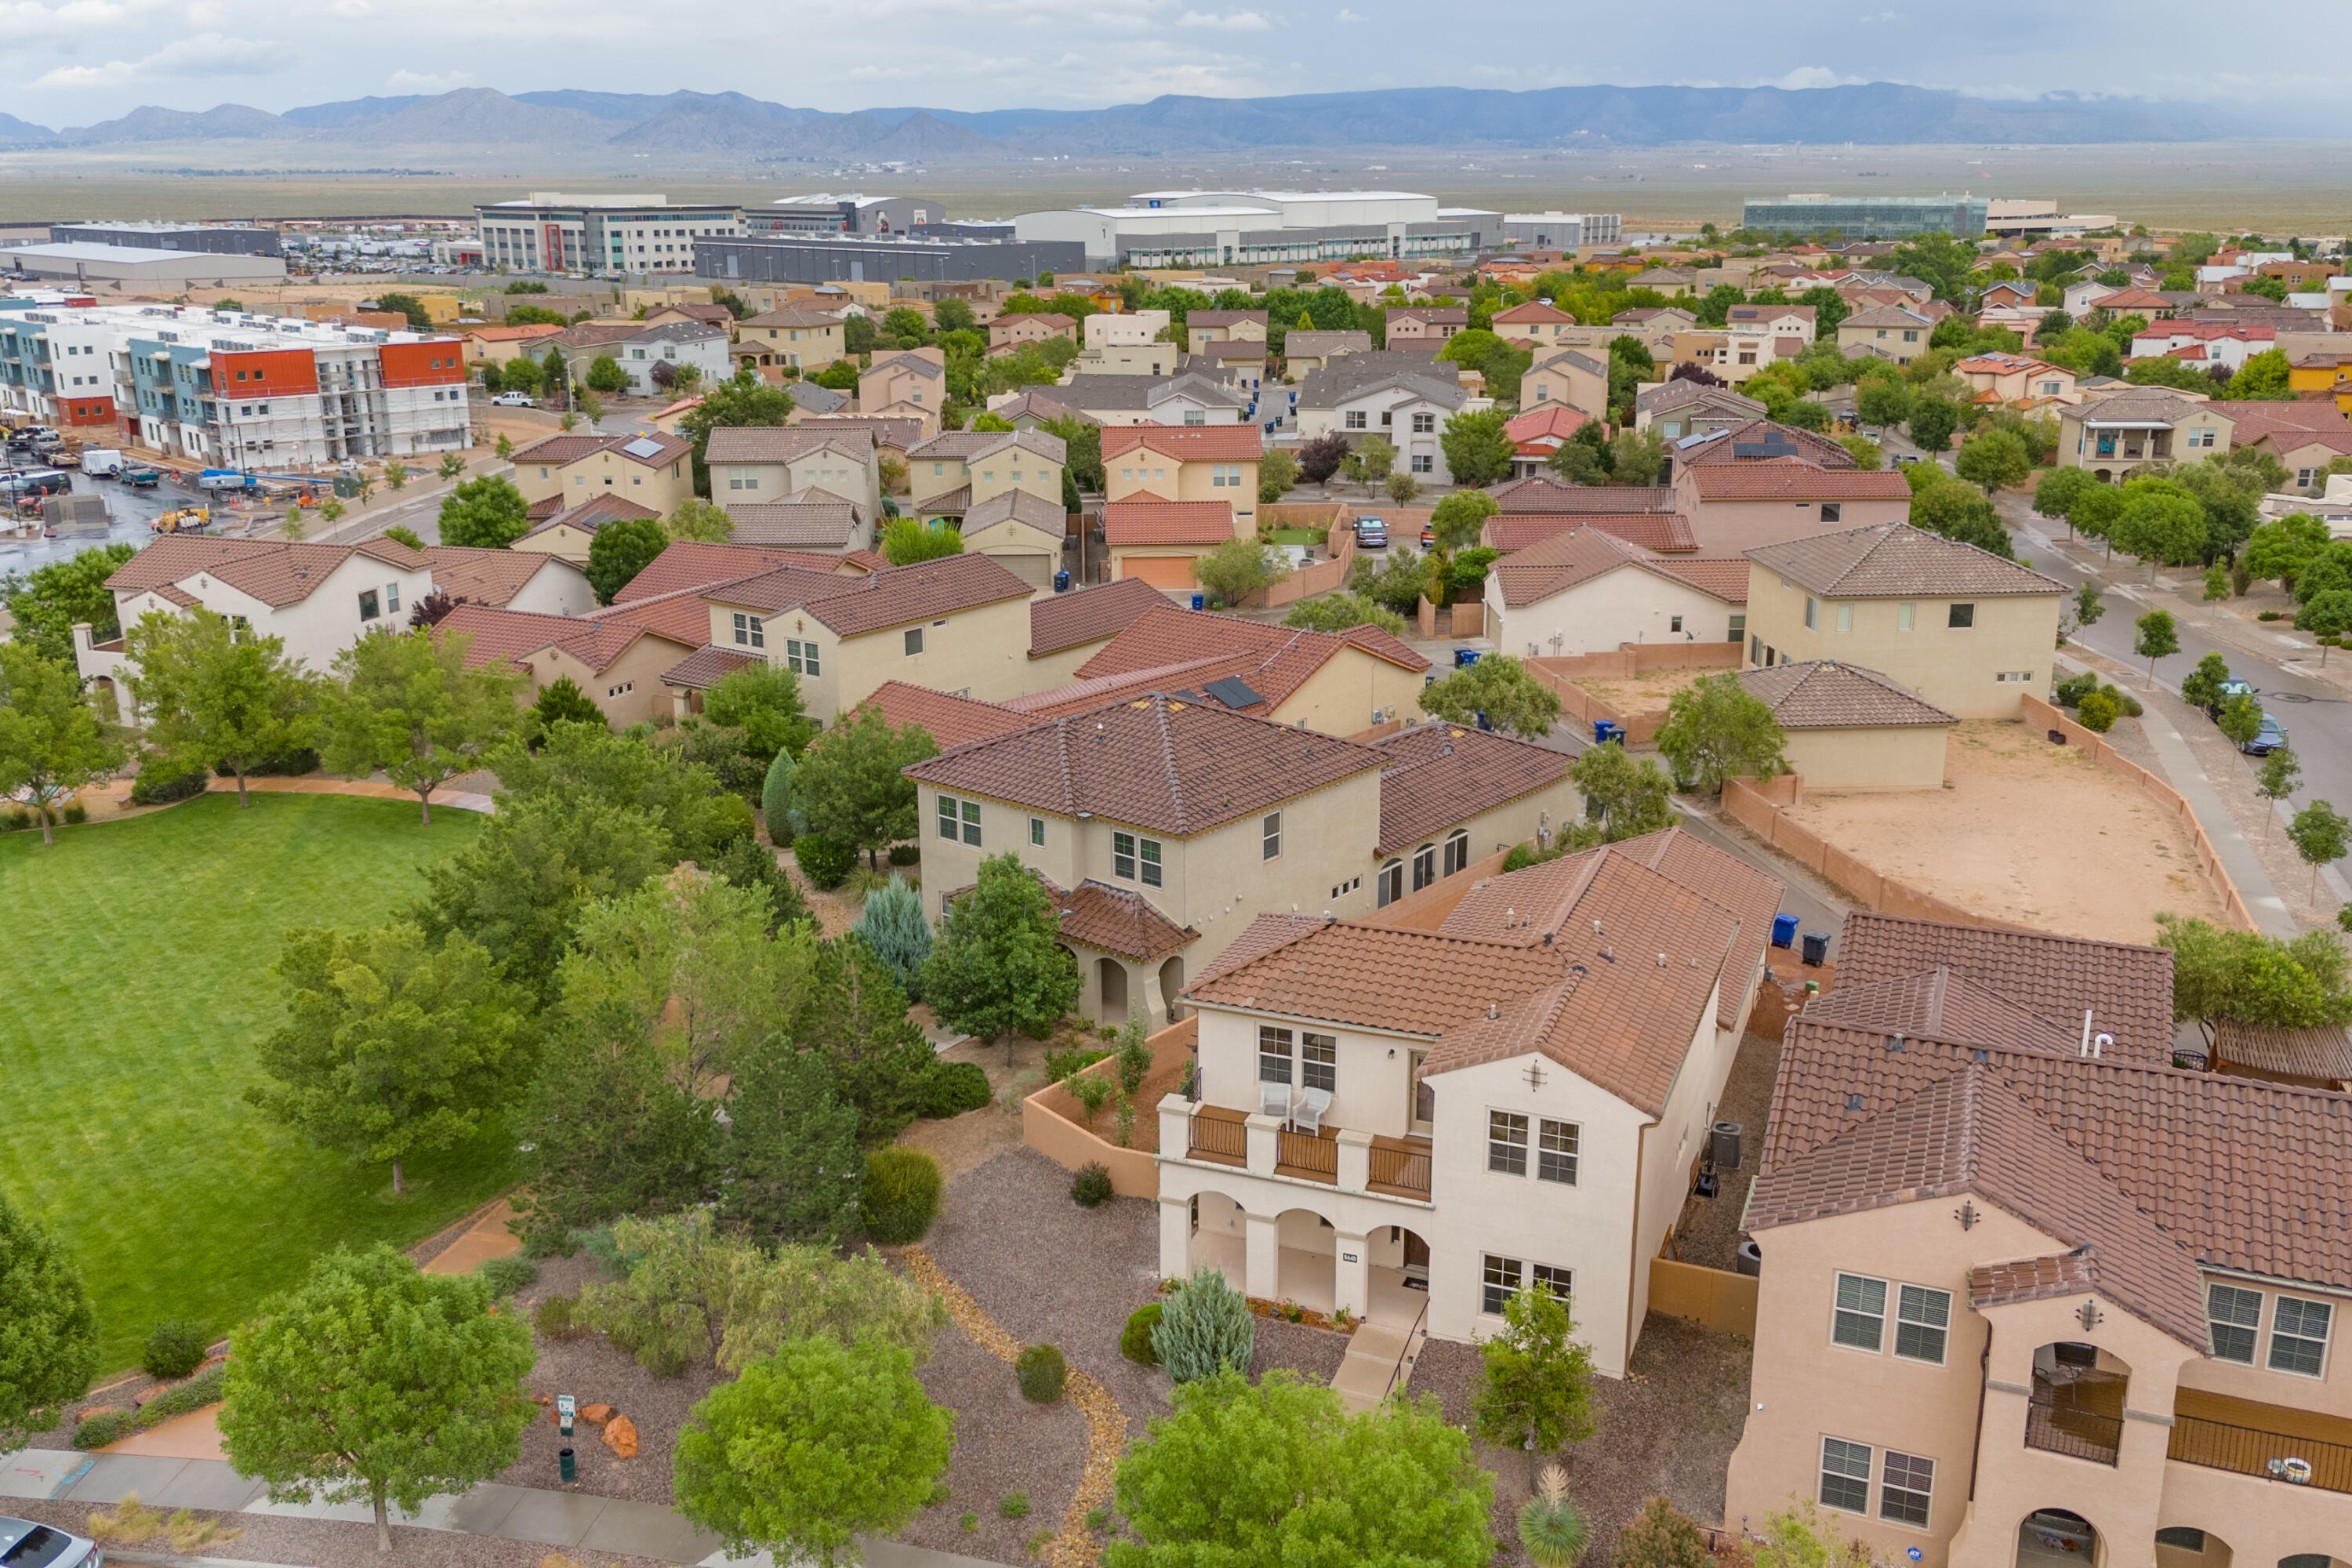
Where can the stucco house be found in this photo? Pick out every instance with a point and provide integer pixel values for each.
(541, 582)
(948, 475)
(1846, 728)
(1760, 483)
(652, 471)
(1176, 463)
(1022, 531)
(1572, 376)
(1404, 401)
(909, 383)
(616, 665)
(1202, 328)
(1678, 408)
(1588, 591)
(568, 531)
(1304, 352)
(1153, 397)
(2117, 435)
(1534, 324)
(760, 463)
(1067, 629)
(805, 339)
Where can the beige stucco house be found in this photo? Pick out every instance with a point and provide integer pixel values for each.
(1029, 327)
(1534, 324)
(1571, 376)
(652, 471)
(910, 383)
(759, 463)
(617, 665)
(955, 470)
(1846, 728)
(1201, 463)
(568, 531)
(1024, 532)
(1959, 626)
(1588, 591)
(1202, 328)
(810, 339)
(1067, 629)
(2119, 436)
(1890, 331)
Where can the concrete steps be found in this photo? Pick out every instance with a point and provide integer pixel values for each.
(1374, 1352)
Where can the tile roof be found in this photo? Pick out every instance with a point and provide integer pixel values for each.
(1038, 405)
(1894, 560)
(1578, 555)
(2324, 1052)
(2127, 987)
(1017, 506)
(1822, 694)
(1554, 419)
(681, 615)
(1143, 393)
(946, 503)
(1540, 493)
(559, 451)
(1794, 479)
(1945, 1002)
(589, 513)
(1323, 345)
(1090, 615)
(708, 665)
(970, 445)
(512, 636)
(1243, 349)
(274, 572)
(1153, 521)
(855, 605)
(786, 443)
(1166, 634)
(1186, 443)
(792, 316)
(1117, 919)
(491, 577)
(950, 720)
(1440, 775)
(2147, 406)
(693, 564)
(1534, 310)
(817, 524)
(1665, 531)
(1175, 768)
(1724, 577)
(1224, 318)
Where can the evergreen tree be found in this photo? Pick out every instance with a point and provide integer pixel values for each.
(795, 1171)
(49, 1329)
(894, 926)
(851, 1010)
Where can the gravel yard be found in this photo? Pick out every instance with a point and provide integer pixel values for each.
(1708, 1233)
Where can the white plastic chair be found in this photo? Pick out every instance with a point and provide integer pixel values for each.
(1313, 1105)
(1274, 1099)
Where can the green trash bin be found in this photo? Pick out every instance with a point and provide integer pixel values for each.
(564, 1465)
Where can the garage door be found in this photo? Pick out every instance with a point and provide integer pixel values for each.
(1172, 573)
(1032, 567)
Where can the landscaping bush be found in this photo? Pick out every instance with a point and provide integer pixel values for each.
(559, 1319)
(507, 1275)
(906, 855)
(77, 813)
(1091, 1186)
(1204, 1326)
(902, 1195)
(2073, 689)
(1043, 1373)
(954, 1089)
(163, 789)
(1134, 1340)
(2098, 713)
(725, 819)
(19, 819)
(2270, 615)
(175, 1349)
(2126, 703)
(188, 1397)
(825, 861)
(96, 1431)
(1065, 1064)
(1012, 1505)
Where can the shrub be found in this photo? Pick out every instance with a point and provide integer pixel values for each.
(1662, 1538)
(894, 926)
(2126, 703)
(906, 855)
(506, 1276)
(954, 1089)
(1043, 1373)
(1204, 1326)
(163, 789)
(725, 819)
(1097, 1518)
(2073, 689)
(902, 1195)
(1065, 1064)
(2270, 615)
(1134, 1340)
(825, 861)
(175, 1349)
(1551, 1530)
(199, 1391)
(971, 1521)
(98, 1429)
(776, 798)
(2097, 712)
(79, 812)
(559, 1319)
(19, 819)
(1012, 1505)
(1091, 1186)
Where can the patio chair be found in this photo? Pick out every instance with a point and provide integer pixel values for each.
(1274, 1099)
(1309, 1113)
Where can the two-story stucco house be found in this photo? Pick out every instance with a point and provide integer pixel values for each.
(564, 471)
(909, 383)
(1414, 1124)
(616, 665)
(956, 470)
(1588, 591)
(757, 463)
(808, 340)
(2119, 436)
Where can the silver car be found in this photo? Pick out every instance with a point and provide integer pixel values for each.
(23, 1545)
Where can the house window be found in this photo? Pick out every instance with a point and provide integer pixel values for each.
(1501, 1283)
(391, 598)
(1038, 830)
(1269, 844)
(1902, 616)
(1676, 624)
(1846, 1475)
(369, 608)
(1559, 1281)
(1424, 866)
(1457, 852)
(949, 817)
(1273, 1055)
(1812, 613)
(1904, 1486)
(1506, 1142)
(1861, 1319)
(1388, 418)
(1424, 463)
(2233, 1318)
(1555, 1146)
(1318, 1062)
(1389, 883)
(799, 656)
(1961, 616)
(970, 821)
(1355, 419)
(1738, 631)
(914, 641)
(1425, 424)
(1845, 617)
(1150, 856)
(1922, 1320)
(1832, 510)
(2299, 1335)
(747, 631)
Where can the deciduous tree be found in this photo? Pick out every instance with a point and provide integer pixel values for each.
(48, 602)
(624, 546)
(850, 786)
(1932, 421)
(2256, 979)
(1457, 520)
(909, 539)
(487, 513)
(49, 1329)
(764, 701)
(1477, 447)
(212, 699)
(1238, 567)
(2319, 836)
(407, 704)
(998, 967)
(1319, 459)
(1633, 795)
(1537, 1392)
(1715, 729)
(51, 743)
(1996, 459)
(1501, 689)
(1957, 511)
(2156, 638)
(701, 521)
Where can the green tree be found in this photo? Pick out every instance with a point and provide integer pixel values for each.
(700, 520)
(2240, 717)
(1459, 517)
(851, 1008)
(810, 1447)
(1939, 260)
(2086, 611)
(1958, 512)
(407, 704)
(2201, 687)
(1715, 729)
(372, 1381)
(487, 513)
(998, 967)
(1338, 612)
(1637, 457)
(1868, 455)
(2327, 617)
(2263, 376)
(212, 699)
(2276, 780)
(909, 539)
(1661, 1537)
(1932, 422)
(451, 465)
(520, 375)
(796, 1172)
(1277, 474)
(51, 743)
(1282, 1474)
(1996, 459)
(2318, 834)
(605, 375)
(46, 603)
(623, 547)
(2232, 498)
(851, 785)
(390, 1049)
(1499, 688)
(420, 320)
(1369, 462)
(2158, 639)
(1477, 447)
(1537, 1392)
(2219, 972)
(1882, 400)
(1238, 567)
(2059, 489)
(1630, 795)
(49, 1329)
(745, 400)
(764, 701)
(1396, 584)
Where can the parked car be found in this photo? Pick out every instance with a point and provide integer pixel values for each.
(23, 1545)
(142, 477)
(1428, 537)
(31, 483)
(1371, 534)
(2269, 738)
(2229, 688)
(514, 400)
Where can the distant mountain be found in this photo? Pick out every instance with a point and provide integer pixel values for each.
(226, 122)
(325, 115)
(15, 130)
(479, 114)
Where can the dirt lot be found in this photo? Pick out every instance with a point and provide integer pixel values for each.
(1644, 693)
(2029, 833)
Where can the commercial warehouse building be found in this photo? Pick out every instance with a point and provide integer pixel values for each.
(600, 236)
(211, 238)
(1563, 231)
(1868, 217)
(934, 258)
(1239, 229)
(78, 261)
(855, 213)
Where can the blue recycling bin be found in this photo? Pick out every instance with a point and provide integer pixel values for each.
(1603, 733)
(1464, 658)
(1784, 931)
(1199, 601)
(1061, 581)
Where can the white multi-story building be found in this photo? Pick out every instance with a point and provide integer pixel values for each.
(601, 235)
(1230, 228)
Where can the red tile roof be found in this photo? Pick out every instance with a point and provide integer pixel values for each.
(487, 576)
(708, 665)
(1442, 775)
(1665, 532)
(1279, 659)
(1090, 615)
(513, 636)
(951, 720)
(1186, 444)
(1167, 521)
(1556, 421)
(1791, 479)
(690, 563)
(276, 572)
(1541, 492)
(1565, 560)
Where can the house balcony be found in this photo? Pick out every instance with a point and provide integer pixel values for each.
(2269, 1442)
(2081, 1417)
(1343, 1158)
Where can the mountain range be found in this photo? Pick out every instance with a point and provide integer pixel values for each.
(1878, 113)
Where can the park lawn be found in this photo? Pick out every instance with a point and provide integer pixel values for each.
(137, 985)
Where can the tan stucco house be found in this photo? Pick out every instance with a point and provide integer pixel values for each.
(652, 471)
(761, 463)
(1846, 728)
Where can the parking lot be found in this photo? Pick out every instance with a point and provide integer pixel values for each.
(130, 511)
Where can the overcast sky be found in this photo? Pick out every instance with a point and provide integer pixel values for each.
(75, 62)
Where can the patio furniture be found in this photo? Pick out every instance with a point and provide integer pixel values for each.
(1307, 1114)
(1274, 1099)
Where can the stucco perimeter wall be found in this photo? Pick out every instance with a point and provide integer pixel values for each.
(1324, 576)
(1629, 661)
(1052, 1121)
(1753, 808)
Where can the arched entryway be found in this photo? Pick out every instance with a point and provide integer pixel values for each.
(2312, 1559)
(1171, 983)
(1308, 1259)
(1219, 1238)
(2050, 1536)
(2181, 1547)
(1397, 1274)
(1111, 975)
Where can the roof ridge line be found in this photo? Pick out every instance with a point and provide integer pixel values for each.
(1167, 759)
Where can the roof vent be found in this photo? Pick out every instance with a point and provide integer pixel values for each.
(1854, 1102)
(1607, 955)
(1596, 928)
(1547, 940)
(1493, 1010)
(1662, 960)
(1895, 1041)
(1578, 969)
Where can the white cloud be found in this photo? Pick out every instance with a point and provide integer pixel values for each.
(1815, 76)
(1231, 22)
(353, 8)
(1349, 16)
(411, 81)
(1881, 16)
(203, 54)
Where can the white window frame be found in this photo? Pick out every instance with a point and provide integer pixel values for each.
(1559, 1150)
(1275, 1045)
(1270, 837)
(1508, 1134)
(1925, 1311)
(1318, 1062)
(1848, 1450)
(2281, 1305)
(1913, 1468)
(2243, 1299)
(1859, 1310)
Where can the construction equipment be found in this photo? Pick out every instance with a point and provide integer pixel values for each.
(185, 520)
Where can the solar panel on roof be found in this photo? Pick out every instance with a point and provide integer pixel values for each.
(1233, 692)
(642, 446)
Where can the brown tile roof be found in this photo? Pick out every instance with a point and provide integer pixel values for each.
(1180, 768)
(786, 443)
(1280, 659)
(951, 720)
(2127, 988)
(487, 576)
(1440, 775)
(1224, 318)
(1186, 444)
(681, 615)
(708, 665)
(545, 507)
(925, 590)
(689, 564)
(1322, 345)
(826, 525)
(1969, 1131)
(1725, 577)
(1038, 405)
(1167, 521)
(1896, 561)
(558, 451)
(901, 431)
(590, 513)
(946, 503)
(274, 572)
(1578, 555)
(513, 636)
(970, 446)
(790, 316)
(1090, 615)
(2324, 1053)
(1722, 448)
(1117, 920)
(1791, 478)
(1540, 493)
(1017, 506)
(1822, 694)
(1664, 532)
(1944, 1002)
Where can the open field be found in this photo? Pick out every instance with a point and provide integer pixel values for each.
(2029, 834)
(136, 985)
(2277, 185)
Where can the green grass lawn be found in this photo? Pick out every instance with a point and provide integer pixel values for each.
(136, 985)
(1299, 536)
